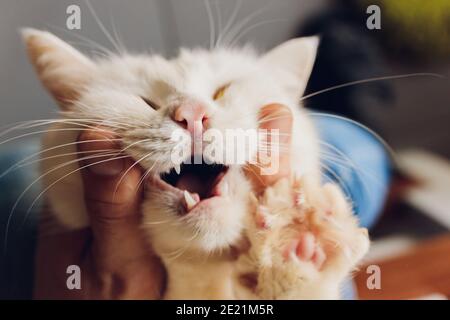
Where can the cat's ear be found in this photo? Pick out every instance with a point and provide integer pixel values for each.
(62, 69)
(295, 59)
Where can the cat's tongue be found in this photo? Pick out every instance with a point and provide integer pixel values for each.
(192, 183)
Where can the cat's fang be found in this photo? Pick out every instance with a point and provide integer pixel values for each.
(189, 200)
(225, 189)
(177, 169)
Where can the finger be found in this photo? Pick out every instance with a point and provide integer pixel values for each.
(112, 199)
(273, 117)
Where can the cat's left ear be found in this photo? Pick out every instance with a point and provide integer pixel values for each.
(63, 70)
(292, 63)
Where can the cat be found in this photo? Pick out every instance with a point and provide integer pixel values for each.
(202, 219)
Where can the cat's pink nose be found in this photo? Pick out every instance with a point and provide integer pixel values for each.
(191, 116)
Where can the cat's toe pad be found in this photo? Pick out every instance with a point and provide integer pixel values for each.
(306, 248)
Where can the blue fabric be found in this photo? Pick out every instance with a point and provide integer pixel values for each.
(365, 183)
(358, 161)
(18, 224)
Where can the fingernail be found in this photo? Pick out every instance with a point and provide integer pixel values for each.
(108, 168)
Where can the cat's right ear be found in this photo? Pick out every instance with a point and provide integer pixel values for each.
(295, 58)
(63, 70)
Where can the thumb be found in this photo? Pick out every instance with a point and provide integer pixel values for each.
(113, 197)
(273, 117)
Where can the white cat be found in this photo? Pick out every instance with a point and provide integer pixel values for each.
(143, 99)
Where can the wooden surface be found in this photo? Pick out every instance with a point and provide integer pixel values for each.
(424, 270)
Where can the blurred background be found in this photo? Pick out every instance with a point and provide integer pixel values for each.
(411, 235)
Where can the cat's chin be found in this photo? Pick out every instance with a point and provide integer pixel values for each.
(214, 223)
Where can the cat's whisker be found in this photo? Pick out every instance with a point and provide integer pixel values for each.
(234, 32)
(340, 181)
(366, 189)
(105, 123)
(117, 37)
(219, 21)
(131, 145)
(126, 124)
(88, 41)
(41, 132)
(102, 27)
(78, 128)
(156, 222)
(23, 163)
(368, 80)
(255, 174)
(272, 151)
(18, 125)
(147, 172)
(346, 158)
(16, 203)
(109, 120)
(143, 178)
(95, 52)
(230, 22)
(264, 120)
(81, 127)
(65, 176)
(43, 122)
(352, 166)
(212, 25)
(179, 252)
(252, 27)
(128, 170)
(274, 144)
(365, 128)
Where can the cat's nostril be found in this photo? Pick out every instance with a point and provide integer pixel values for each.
(183, 123)
(190, 116)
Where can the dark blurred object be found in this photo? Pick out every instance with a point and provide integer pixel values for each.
(347, 52)
(414, 29)
(399, 217)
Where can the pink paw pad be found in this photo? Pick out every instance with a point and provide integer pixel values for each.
(306, 249)
(261, 217)
(299, 199)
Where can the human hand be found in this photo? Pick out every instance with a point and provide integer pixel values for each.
(273, 117)
(115, 260)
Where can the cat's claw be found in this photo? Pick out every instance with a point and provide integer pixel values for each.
(303, 242)
(261, 217)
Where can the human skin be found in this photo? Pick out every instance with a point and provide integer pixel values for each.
(113, 255)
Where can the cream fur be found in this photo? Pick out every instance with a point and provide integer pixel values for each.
(195, 249)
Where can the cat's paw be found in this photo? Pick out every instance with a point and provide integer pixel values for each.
(306, 248)
(305, 240)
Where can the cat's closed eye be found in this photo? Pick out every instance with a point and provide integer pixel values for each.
(150, 103)
(220, 92)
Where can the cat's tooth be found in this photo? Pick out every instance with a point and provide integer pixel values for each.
(177, 169)
(225, 188)
(189, 200)
(299, 199)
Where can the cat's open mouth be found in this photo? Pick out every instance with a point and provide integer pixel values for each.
(198, 182)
